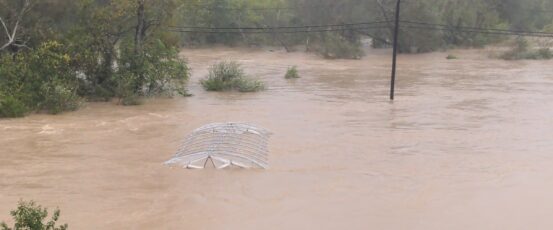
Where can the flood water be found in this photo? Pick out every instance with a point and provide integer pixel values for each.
(468, 144)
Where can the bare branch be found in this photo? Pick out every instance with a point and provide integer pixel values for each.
(14, 31)
(385, 14)
(6, 29)
(12, 38)
(6, 45)
(22, 46)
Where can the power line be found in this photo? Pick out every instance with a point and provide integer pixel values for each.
(269, 31)
(208, 7)
(527, 34)
(279, 27)
(460, 28)
(520, 8)
(300, 6)
(354, 26)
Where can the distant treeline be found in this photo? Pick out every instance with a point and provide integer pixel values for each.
(535, 15)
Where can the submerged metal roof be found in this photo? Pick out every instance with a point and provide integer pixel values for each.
(224, 144)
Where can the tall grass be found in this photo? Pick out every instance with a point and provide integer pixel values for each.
(228, 76)
(292, 73)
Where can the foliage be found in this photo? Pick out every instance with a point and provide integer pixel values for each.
(66, 51)
(522, 50)
(31, 216)
(451, 57)
(246, 85)
(156, 71)
(412, 40)
(41, 79)
(229, 75)
(88, 49)
(292, 72)
(59, 98)
(12, 107)
(545, 53)
(223, 76)
(453, 14)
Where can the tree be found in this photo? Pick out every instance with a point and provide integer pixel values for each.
(30, 216)
(11, 25)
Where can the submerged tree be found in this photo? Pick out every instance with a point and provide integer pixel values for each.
(107, 48)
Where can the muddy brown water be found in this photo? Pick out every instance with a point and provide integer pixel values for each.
(468, 144)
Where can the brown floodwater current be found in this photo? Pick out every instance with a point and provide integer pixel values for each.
(468, 144)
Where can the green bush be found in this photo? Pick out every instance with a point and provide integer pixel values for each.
(522, 50)
(451, 57)
(59, 98)
(41, 79)
(130, 100)
(156, 71)
(292, 73)
(30, 216)
(249, 85)
(11, 107)
(229, 75)
(545, 53)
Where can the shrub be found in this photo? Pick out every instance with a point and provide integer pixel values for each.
(521, 50)
(12, 107)
(292, 72)
(130, 100)
(59, 98)
(223, 76)
(249, 85)
(451, 57)
(41, 79)
(30, 216)
(229, 75)
(156, 71)
(545, 53)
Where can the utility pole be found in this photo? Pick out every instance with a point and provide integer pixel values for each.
(394, 61)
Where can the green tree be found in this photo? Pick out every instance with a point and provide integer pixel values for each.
(31, 216)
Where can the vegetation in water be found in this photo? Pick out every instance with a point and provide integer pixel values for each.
(90, 50)
(292, 73)
(31, 216)
(12, 107)
(522, 50)
(229, 75)
(451, 57)
(56, 54)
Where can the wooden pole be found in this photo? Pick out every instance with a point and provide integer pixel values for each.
(394, 60)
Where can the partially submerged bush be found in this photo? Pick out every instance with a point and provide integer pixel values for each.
(41, 79)
(130, 100)
(30, 216)
(545, 53)
(522, 50)
(292, 73)
(451, 57)
(59, 98)
(155, 71)
(249, 85)
(229, 75)
(12, 107)
(54, 77)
